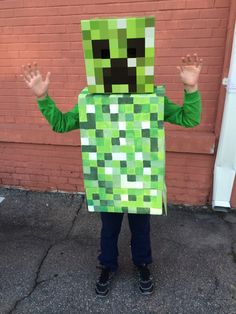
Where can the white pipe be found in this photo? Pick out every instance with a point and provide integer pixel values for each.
(225, 164)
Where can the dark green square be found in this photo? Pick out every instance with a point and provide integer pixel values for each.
(86, 35)
(103, 202)
(154, 178)
(108, 156)
(116, 197)
(137, 108)
(101, 163)
(154, 144)
(150, 21)
(109, 190)
(102, 184)
(114, 117)
(105, 109)
(123, 164)
(131, 177)
(125, 100)
(115, 141)
(93, 175)
(124, 209)
(160, 124)
(91, 121)
(99, 133)
(153, 116)
(122, 133)
(96, 196)
(146, 163)
(89, 148)
(147, 198)
(132, 197)
(146, 133)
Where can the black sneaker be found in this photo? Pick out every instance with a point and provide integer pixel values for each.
(145, 280)
(103, 283)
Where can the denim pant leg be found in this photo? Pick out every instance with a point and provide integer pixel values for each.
(111, 225)
(140, 240)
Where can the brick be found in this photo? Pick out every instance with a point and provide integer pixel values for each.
(222, 3)
(186, 14)
(200, 4)
(6, 13)
(10, 182)
(58, 180)
(220, 13)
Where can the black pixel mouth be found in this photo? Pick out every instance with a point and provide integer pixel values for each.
(119, 73)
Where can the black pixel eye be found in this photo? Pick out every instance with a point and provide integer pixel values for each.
(136, 47)
(105, 54)
(101, 49)
(132, 53)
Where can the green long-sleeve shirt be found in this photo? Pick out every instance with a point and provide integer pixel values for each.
(188, 115)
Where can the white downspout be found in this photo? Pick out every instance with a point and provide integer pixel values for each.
(225, 164)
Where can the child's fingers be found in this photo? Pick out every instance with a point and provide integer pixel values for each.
(31, 73)
(48, 77)
(184, 61)
(200, 64)
(195, 58)
(180, 69)
(35, 68)
(25, 79)
(189, 59)
(26, 73)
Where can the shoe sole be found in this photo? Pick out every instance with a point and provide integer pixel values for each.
(101, 295)
(146, 291)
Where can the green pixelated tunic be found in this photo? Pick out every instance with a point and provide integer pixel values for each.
(122, 140)
(123, 151)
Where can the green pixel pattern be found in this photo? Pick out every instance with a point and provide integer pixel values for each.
(123, 151)
(135, 59)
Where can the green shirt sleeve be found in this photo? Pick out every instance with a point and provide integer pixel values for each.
(60, 122)
(188, 115)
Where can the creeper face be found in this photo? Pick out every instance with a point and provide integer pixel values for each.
(119, 55)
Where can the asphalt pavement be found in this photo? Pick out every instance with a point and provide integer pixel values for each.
(48, 256)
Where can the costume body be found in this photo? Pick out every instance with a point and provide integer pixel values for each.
(120, 116)
(123, 151)
(187, 115)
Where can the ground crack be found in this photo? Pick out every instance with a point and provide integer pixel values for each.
(36, 282)
(74, 219)
(233, 253)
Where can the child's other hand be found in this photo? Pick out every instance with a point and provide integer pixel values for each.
(189, 72)
(34, 81)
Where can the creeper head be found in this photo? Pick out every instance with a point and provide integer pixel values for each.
(119, 54)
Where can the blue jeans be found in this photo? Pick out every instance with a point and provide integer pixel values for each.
(140, 239)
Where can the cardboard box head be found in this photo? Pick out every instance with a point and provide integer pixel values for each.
(119, 54)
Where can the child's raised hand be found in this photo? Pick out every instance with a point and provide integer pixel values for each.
(34, 81)
(189, 71)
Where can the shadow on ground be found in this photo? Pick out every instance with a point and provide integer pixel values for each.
(48, 249)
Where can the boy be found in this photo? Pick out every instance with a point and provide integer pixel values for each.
(188, 116)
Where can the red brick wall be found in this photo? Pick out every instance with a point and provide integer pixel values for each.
(31, 156)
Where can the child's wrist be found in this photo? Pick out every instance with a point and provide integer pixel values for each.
(44, 95)
(190, 88)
